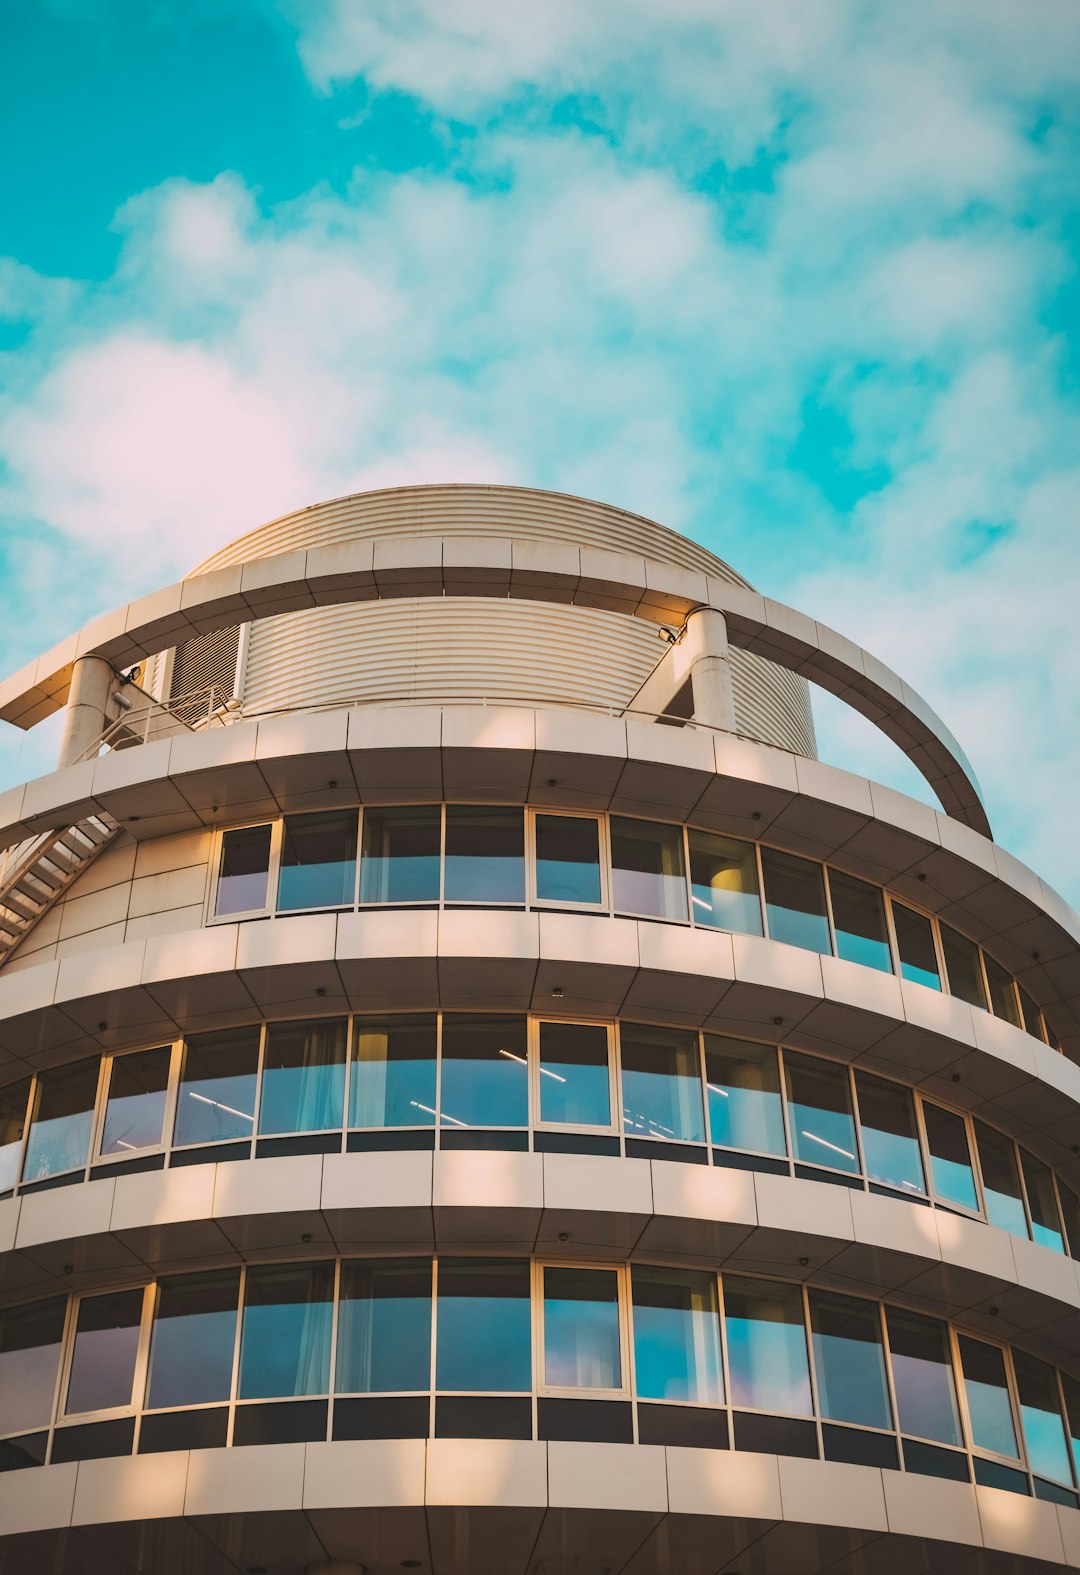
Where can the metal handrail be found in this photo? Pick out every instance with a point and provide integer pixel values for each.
(195, 710)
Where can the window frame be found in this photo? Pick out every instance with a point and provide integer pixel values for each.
(571, 1391)
(1019, 1460)
(64, 1418)
(649, 918)
(535, 1021)
(979, 1212)
(273, 865)
(276, 855)
(631, 1334)
(172, 1090)
(533, 902)
(163, 1273)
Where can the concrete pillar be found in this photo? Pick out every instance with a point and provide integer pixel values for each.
(707, 653)
(92, 684)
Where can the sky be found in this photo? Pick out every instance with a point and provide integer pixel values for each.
(797, 279)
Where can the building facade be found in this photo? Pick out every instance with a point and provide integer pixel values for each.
(477, 1094)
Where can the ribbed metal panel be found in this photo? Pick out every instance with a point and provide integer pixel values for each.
(208, 659)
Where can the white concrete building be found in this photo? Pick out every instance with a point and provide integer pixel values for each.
(477, 1095)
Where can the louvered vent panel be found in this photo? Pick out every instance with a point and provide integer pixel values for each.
(205, 660)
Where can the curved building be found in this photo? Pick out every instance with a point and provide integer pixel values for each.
(479, 1096)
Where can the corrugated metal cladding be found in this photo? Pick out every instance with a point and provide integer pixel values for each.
(208, 659)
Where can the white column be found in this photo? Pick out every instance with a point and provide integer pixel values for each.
(92, 684)
(706, 644)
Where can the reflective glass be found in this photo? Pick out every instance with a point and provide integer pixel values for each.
(216, 1098)
(1045, 1224)
(950, 1157)
(819, 1113)
(485, 1072)
(575, 1086)
(400, 856)
(742, 1082)
(485, 854)
(384, 1327)
(393, 1071)
(766, 1340)
(661, 1083)
(1003, 1002)
(30, 1339)
(285, 1339)
(1030, 1013)
(318, 861)
(724, 883)
(890, 1140)
(923, 1377)
(795, 901)
(581, 1329)
(1040, 1416)
(484, 1331)
(194, 1335)
(62, 1120)
(677, 1336)
(1070, 1212)
(135, 1113)
(104, 1351)
(1001, 1181)
(849, 1360)
(13, 1105)
(962, 966)
(244, 870)
(859, 922)
(567, 859)
(1071, 1391)
(303, 1085)
(915, 944)
(988, 1403)
(647, 873)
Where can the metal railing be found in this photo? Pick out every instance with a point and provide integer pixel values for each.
(209, 706)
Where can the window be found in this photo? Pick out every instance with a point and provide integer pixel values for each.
(1003, 1002)
(574, 1075)
(384, 1327)
(1071, 1391)
(724, 883)
(135, 1112)
(30, 1341)
(568, 860)
(1040, 1414)
(1001, 1181)
(647, 869)
(62, 1120)
(986, 1389)
(582, 1347)
(859, 922)
(742, 1082)
(950, 1157)
(766, 1340)
(485, 854)
(318, 861)
(485, 1072)
(962, 966)
(13, 1103)
(104, 1351)
(216, 1099)
(194, 1335)
(303, 1084)
(400, 859)
(1031, 1015)
(923, 1377)
(677, 1336)
(1070, 1213)
(1045, 1223)
(285, 1339)
(484, 1332)
(915, 944)
(394, 1071)
(849, 1361)
(795, 901)
(661, 1084)
(890, 1141)
(819, 1112)
(244, 871)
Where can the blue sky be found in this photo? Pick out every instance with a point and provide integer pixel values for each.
(799, 280)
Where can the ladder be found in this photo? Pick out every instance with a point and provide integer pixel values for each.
(36, 873)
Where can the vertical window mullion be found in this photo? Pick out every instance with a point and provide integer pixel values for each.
(829, 916)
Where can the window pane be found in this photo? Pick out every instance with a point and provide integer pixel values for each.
(950, 1158)
(661, 1084)
(318, 861)
(30, 1339)
(819, 1112)
(303, 1087)
(677, 1336)
(962, 966)
(1003, 1001)
(244, 870)
(1070, 1209)
(567, 859)
(767, 1346)
(581, 1329)
(1001, 1181)
(484, 1338)
(890, 1141)
(1071, 1391)
(987, 1390)
(485, 854)
(1045, 1224)
(400, 861)
(63, 1116)
(743, 1086)
(103, 1357)
(393, 1071)
(1040, 1414)
(849, 1360)
(575, 1087)
(795, 901)
(216, 1100)
(285, 1341)
(384, 1327)
(724, 883)
(923, 1377)
(647, 868)
(859, 922)
(915, 944)
(135, 1113)
(191, 1348)
(1030, 1011)
(13, 1106)
(485, 1072)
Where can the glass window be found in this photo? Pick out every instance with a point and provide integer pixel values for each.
(890, 1141)
(303, 1084)
(950, 1157)
(987, 1390)
(400, 859)
(13, 1104)
(819, 1113)
(1045, 1224)
(216, 1100)
(661, 1083)
(30, 1340)
(62, 1120)
(393, 1071)
(1030, 1012)
(962, 966)
(724, 883)
(285, 1339)
(485, 854)
(135, 1113)
(923, 1377)
(859, 922)
(384, 1327)
(318, 861)
(1003, 1002)
(742, 1081)
(677, 1336)
(766, 1340)
(485, 1072)
(795, 901)
(849, 1360)
(575, 1082)
(104, 1351)
(1070, 1213)
(1040, 1415)
(568, 859)
(484, 1336)
(244, 871)
(1001, 1180)
(647, 872)
(582, 1349)
(1071, 1391)
(915, 944)
(194, 1334)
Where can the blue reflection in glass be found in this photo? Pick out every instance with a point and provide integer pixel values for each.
(401, 855)
(303, 1086)
(485, 1073)
(795, 901)
(767, 1355)
(859, 922)
(915, 945)
(135, 1112)
(1040, 1414)
(318, 861)
(950, 1159)
(923, 1377)
(661, 1084)
(581, 1329)
(1001, 1181)
(63, 1116)
(191, 1350)
(987, 1390)
(822, 1126)
(575, 1086)
(285, 1340)
(889, 1139)
(742, 1082)
(567, 859)
(677, 1336)
(384, 1327)
(485, 854)
(394, 1071)
(724, 884)
(849, 1360)
(216, 1098)
(484, 1338)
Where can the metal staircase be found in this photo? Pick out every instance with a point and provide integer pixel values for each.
(35, 874)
